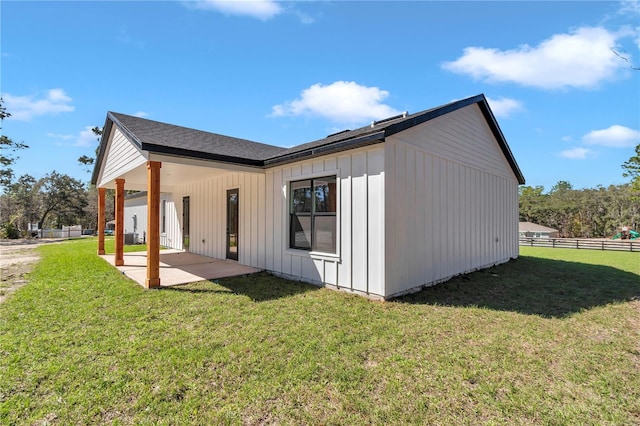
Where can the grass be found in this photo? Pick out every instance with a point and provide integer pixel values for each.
(551, 338)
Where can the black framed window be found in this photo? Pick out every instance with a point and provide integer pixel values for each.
(312, 214)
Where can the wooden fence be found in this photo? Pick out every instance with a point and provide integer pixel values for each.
(618, 245)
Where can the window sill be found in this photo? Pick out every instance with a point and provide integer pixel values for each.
(313, 254)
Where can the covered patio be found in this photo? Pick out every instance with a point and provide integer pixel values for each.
(177, 267)
(144, 155)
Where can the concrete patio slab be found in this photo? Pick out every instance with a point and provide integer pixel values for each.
(178, 267)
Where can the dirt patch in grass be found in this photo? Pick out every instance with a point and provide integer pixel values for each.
(17, 259)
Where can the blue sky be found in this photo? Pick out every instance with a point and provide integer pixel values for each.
(285, 73)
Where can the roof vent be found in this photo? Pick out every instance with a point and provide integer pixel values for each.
(395, 117)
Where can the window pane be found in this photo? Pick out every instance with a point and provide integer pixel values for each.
(324, 234)
(300, 232)
(325, 194)
(301, 196)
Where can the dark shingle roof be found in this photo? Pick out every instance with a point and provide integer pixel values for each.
(169, 139)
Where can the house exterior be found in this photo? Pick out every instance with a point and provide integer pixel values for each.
(533, 230)
(135, 217)
(380, 211)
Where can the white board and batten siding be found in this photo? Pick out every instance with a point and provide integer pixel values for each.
(208, 217)
(138, 206)
(358, 265)
(135, 207)
(122, 156)
(452, 201)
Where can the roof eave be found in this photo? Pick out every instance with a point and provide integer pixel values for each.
(454, 106)
(342, 145)
(104, 141)
(495, 129)
(178, 152)
(431, 114)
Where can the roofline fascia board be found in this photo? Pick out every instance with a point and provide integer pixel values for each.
(497, 132)
(104, 140)
(126, 131)
(158, 149)
(481, 100)
(370, 139)
(430, 115)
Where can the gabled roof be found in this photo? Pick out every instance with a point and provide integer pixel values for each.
(157, 137)
(533, 227)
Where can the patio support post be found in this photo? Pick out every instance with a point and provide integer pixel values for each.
(101, 195)
(153, 224)
(119, 222)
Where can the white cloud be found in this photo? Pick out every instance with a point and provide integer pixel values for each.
(582, 58)
(341, 102)
(575, 153)
(503, 107)
(260, 9)
(566, 139)
(86, 137)
(59, 136)
(629, 7)
(615, 136)
(24, 108)
(304, 18)
(141, 114)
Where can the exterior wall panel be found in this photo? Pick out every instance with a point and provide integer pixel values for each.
(452, 204)
(121, 157)
(358, 264)
(344, 267)
(138, 207)
(208, 218)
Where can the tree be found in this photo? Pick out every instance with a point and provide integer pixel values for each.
(531, 202)
(87, 161)
(590, 213)
(7, 151)
(26, 198)
(632, 170)
(64, 196)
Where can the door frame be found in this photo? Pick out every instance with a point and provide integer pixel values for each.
(229, 253)
(186, 222)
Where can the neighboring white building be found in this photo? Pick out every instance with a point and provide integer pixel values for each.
(380, 211)
(533, 230)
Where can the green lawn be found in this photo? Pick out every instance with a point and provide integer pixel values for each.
(551, 338)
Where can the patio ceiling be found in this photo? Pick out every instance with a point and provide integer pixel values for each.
(177, 171)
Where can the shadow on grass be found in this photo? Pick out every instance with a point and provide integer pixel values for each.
(258, 287)
(535, 286)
